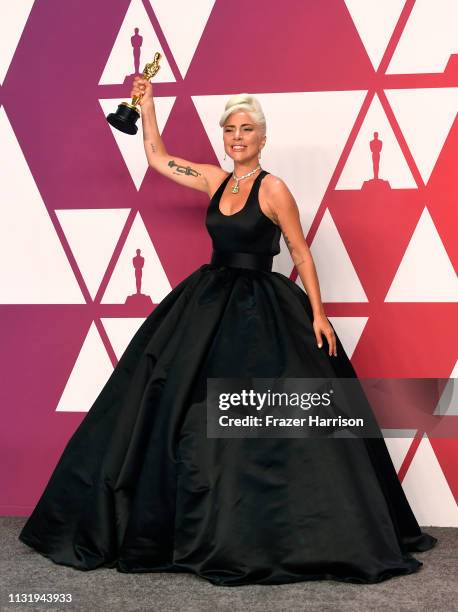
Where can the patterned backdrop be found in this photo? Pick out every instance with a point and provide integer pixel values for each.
(78, 198)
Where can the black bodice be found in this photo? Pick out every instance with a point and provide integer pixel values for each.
(248, 230)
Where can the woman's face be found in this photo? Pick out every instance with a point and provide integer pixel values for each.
(242, 137)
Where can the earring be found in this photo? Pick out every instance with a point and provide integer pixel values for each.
(259, 153)
(224, 155)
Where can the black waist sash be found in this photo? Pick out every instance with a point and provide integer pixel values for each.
(255, 261)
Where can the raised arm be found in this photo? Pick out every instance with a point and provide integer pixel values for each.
(203, 177)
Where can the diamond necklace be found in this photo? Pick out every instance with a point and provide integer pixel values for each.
(235, 188)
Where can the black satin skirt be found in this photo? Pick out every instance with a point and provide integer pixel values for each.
(141, 488)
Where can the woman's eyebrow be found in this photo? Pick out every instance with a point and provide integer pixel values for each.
(243, 124)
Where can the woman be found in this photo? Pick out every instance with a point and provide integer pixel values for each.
(140, 485)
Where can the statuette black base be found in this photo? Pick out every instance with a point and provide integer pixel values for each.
(124, 118)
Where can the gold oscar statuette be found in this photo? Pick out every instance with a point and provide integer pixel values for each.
(126, 115)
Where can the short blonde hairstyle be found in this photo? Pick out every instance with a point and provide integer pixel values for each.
(248, 103)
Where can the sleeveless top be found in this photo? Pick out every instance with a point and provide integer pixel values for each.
(248, 230)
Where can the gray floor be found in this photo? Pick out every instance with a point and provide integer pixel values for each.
(433, 588)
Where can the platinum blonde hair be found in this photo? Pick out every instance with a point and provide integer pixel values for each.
(247, 103)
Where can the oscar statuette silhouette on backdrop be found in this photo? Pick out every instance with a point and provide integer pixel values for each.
(136, 41)
(139, 300)
(376, 183)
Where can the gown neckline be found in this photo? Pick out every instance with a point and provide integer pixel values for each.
(226, 180)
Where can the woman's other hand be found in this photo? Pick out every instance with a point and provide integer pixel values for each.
(322, 325)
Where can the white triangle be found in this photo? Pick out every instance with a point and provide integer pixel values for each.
(428, 491)
(34, 268)
(131, 147)
(425, 273)
(121, 331)
(183, 35)
(12, 24)
(338, 279)
(428, 39)
(305, 164)
(375, 22)
(154, 279)
(89, 375)
(398, 446)
(393, 166)
(448, 402)
(121, 61)
(92, 235)
(349, 330)
(425, 117)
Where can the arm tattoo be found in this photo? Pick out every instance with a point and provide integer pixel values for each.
(183, 169)
(153, 147)
(288, 244)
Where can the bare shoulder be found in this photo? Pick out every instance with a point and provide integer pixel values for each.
(215, 175)
(275, 185)
(276, 195)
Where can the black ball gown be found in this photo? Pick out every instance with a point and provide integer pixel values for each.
(141, 488)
